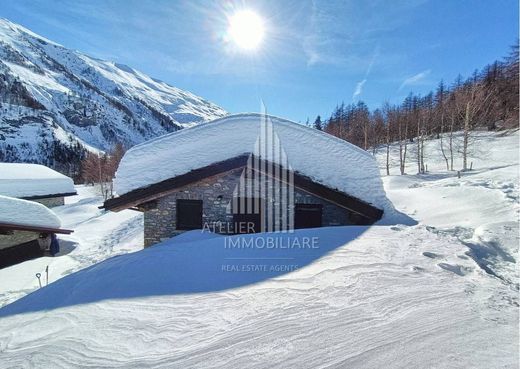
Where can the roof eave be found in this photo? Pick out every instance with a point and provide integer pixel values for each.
(33, 228)
(39, 197)
(154, 191)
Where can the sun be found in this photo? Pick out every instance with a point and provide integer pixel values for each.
(246, 29)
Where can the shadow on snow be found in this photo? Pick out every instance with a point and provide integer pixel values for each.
(194, 262)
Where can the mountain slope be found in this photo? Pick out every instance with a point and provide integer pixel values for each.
(56, 102)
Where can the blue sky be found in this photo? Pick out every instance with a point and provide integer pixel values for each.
(315, 53)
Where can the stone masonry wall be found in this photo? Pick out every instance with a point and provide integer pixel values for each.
(217, 193)
(17, 238)
(51, 202)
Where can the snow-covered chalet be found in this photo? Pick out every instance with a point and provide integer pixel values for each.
(27, 225)
(36, 183)
(247, 173)
(26, 230)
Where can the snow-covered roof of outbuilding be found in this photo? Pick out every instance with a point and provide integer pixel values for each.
(27, 213)
(24, 180)
(325, 159)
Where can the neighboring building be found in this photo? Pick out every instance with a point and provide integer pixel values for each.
(35, 182)
(247, 173)
(26, 230)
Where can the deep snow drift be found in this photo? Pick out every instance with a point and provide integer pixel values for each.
(443, 293)
(26, 180)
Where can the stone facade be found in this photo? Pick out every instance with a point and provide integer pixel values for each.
(51, 202)
(217, 193)
(16, 238)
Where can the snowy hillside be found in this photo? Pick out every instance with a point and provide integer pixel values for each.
(480, 209)
(439, 294)
(58, 100)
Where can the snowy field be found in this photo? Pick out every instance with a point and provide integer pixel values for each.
(439, 294)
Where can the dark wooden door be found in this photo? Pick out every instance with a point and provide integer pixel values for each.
(247, 215)
(307, 215)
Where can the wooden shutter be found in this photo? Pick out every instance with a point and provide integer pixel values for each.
(189, 214)
(307, 215)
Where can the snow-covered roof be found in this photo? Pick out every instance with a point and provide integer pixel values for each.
(28, 213)
(28, 180)
(324, 158)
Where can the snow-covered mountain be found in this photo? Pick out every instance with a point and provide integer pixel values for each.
(55, 102)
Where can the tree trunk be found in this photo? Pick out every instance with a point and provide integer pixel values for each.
(423, 170)
(466, 139)
(450, 143)
(400, 149)
(442, 143)
(405, 148)
(418, 146)
(388, 151)
(366, 136)
(100, 178)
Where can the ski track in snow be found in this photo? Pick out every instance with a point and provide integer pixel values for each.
(441, 294)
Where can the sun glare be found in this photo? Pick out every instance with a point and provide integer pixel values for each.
(246, 29)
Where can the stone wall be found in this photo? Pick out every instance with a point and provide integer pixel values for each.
(16, 238)
(217, 194)
(51, 202)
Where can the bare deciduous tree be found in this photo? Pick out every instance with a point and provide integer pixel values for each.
(99, 169)
(489, 98)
